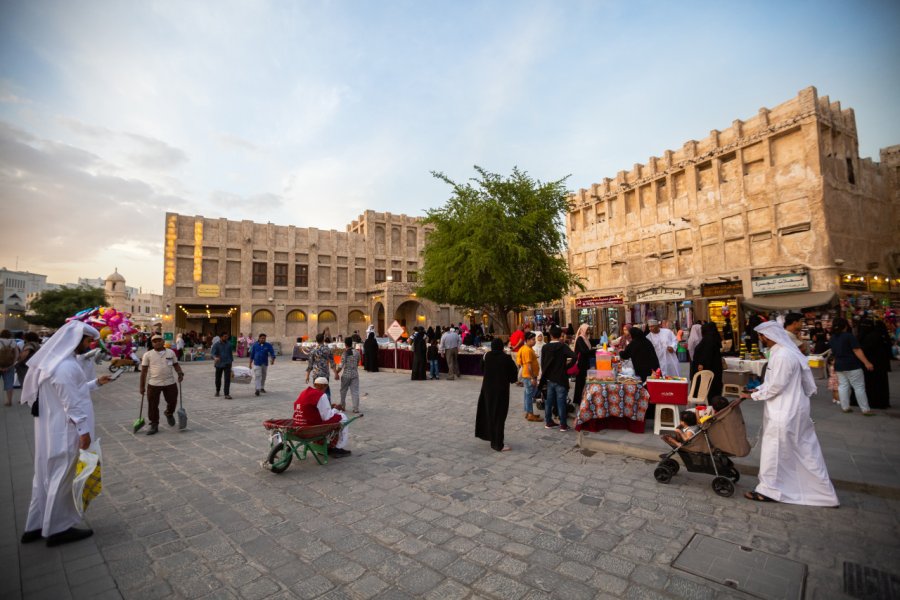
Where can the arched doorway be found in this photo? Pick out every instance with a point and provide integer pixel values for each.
(356, 321)
(263, 321)
(410, 314)
(379, 319)
(328, 323)
(295, 324)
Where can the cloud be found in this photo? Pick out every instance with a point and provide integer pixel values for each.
(72, 215)
(139, 150)
(238, 142)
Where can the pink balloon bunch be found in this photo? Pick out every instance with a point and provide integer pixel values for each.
(112, 324)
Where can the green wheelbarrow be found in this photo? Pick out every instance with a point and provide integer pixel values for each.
(286, 440)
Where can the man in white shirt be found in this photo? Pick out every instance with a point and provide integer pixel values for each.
(449, 347)
(157, 378)
(664, 343)
(793, 324)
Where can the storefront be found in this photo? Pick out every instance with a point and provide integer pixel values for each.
(874, 295)
(775, 295)
(663, 304)
(602, 313)
(721, 304)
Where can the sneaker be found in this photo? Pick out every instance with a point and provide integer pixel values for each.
(227, 397)
(551, 425)
(868, 413)
(563, 428)
(154, 429)
(338, 452)
(216, 395)
(257, 392)
(847, 410)
(263, 390)
(170, 419)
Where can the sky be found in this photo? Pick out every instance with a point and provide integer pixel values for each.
(308, 113)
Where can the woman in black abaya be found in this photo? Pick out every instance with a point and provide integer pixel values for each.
(419, 350)
(493, 404)
(370, 353)
(876, 345)
(641, 352)
(708, 357)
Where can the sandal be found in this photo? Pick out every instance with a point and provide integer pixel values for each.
(757, 497)
(505, 449)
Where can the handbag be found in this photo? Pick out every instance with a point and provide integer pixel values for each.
(574, 370)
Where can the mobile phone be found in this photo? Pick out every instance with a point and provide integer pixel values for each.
(116, 375)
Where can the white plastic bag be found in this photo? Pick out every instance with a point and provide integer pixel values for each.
(87, 484)
(241, 375)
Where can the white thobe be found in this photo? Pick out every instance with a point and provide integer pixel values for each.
(326, 411)
(791, 466)
(662, 341)
(66, 413)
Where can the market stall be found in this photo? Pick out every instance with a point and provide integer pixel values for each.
(470, 363)
(757, 367)
(613, 405)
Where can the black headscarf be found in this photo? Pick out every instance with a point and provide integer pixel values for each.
(497, 346)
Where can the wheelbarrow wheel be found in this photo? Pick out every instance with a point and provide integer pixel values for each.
(733, 474)
(723, 487)
(280, 457)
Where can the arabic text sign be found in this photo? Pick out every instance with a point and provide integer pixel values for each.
(660, 294)
(777, 284)
(395, 330)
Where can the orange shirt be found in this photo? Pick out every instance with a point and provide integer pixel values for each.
(528, 360)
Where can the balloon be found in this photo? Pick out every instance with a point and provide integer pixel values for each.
(104, 333)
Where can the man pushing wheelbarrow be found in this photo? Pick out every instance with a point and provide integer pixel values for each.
(317, 427)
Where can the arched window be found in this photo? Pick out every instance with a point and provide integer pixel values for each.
(327, 316)
(263, 316)
(296, 316)
(410, 238)
(395, 238)
(295, 327)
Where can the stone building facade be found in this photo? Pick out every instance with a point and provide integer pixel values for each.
(775, 212)
(291, 282)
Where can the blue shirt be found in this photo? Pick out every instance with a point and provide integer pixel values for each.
(224, 352)
(842, 345)
(259, 353)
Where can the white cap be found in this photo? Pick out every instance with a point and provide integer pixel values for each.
(321, 381)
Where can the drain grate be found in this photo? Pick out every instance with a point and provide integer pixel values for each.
(870, 584)
(744, 569)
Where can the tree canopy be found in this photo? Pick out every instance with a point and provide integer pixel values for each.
(53, 307)
(498, 245)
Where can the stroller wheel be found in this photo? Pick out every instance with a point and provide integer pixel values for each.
(280, 458)
(733, 474)
(662, 474)
(672, 465)
(723, 487)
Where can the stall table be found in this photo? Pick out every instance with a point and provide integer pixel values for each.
(469, 364)
(613, 405)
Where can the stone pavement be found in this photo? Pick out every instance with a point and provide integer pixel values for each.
(421, 510)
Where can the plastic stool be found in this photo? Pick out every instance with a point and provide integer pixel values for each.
(731, 389)
(659, 424)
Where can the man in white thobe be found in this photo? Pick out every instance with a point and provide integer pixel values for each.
(665, 344)
(791, 466)
(59, 382)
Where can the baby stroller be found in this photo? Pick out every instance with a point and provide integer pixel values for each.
(709, 451)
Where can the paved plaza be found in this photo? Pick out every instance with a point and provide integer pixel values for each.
(422, 509)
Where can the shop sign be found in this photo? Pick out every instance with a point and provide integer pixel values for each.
(777, 284)
(854, 282)
(598, 301)
(660, 294)
(725, 288)
(207, 290)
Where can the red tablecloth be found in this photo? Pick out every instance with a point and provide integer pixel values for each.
(469, 364)
(613, 406)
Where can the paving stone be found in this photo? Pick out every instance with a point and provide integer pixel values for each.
(258, 589)
(367, 586)
(501, 586)
(464, 571)
(311, 587)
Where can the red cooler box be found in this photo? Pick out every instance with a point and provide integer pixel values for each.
(667, 392)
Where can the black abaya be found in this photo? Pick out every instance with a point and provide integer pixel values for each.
(877, 348)
(370, 354)
(642, 354)
(419, 362)
(493, 403)
(584, 363)
(709, 355)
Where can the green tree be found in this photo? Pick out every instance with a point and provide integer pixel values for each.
(53, 307)
(498, 245)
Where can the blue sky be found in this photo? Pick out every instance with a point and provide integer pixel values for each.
(309, 113)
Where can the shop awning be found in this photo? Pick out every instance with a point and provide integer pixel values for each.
(789, 301)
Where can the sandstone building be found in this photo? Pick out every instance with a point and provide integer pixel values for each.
(290, 282)
(776, 212)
